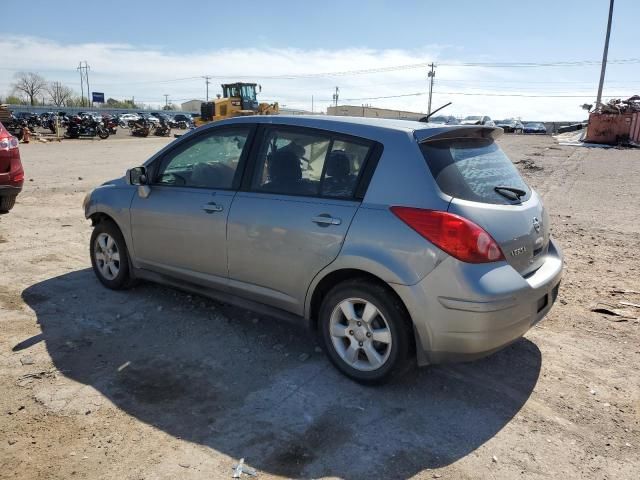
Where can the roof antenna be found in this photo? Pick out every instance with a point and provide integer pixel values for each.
(426, 119)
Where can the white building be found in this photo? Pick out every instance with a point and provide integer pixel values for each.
(191, 106)
(364, 111)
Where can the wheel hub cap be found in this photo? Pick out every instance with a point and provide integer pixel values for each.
(360, 334)
(107, 256)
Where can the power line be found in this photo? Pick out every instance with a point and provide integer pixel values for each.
(366, 71)
(416, 94)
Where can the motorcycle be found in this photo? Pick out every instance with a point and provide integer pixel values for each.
(140, 128)
(111, 124)
(163, 130)
(16, 127)
(86, 127)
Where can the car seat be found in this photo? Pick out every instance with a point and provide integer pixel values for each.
(339, 181)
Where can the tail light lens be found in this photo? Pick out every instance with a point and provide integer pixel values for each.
(459, 237)
(8, 143)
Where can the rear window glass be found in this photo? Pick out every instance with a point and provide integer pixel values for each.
(470, 169)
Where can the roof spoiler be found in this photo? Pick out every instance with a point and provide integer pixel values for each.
(457, 132)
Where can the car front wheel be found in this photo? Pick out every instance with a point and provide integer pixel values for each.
(365, 331)
(109, 256)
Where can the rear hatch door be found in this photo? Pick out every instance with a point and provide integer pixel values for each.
(487, 189)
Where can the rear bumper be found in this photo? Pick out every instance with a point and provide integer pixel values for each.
(465, 311)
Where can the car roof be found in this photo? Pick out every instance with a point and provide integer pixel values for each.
(358, 126)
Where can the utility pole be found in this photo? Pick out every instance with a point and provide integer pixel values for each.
(81, 83)
(335, 98)
(84, 78)
(604, 56)
(430, 74)
(311, 103)
(166, 100)
(206, 81)
(86, 74)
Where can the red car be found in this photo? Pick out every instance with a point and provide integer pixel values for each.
(11, 171)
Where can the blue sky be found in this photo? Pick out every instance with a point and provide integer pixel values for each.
(146, 49)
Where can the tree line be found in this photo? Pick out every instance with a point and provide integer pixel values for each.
(29, 88)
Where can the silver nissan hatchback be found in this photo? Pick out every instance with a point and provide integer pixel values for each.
(393, 239)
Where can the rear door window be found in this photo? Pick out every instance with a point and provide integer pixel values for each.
(470, 169)
(308, 162)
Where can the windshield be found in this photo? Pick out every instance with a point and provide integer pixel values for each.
(231, 91)
(248, 92)
(438, 120)
(470, 169)
(473, 118)
(535, 125)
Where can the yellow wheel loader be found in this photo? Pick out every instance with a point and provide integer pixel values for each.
(238, 99)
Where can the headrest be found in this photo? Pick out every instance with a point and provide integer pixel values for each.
(338, 164)
(284, 165)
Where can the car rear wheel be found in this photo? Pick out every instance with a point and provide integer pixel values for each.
(365, 331)
(109, 256)
(7, 203)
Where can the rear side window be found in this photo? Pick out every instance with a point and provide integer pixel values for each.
(309, 163)
(470, 169)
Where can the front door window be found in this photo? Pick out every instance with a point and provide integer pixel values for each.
(210, 161)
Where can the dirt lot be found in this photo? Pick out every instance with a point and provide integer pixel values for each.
(157, 384)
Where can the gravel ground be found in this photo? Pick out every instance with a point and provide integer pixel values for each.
(153, 383)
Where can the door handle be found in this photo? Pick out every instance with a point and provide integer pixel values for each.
(212, 207)
(326, 220)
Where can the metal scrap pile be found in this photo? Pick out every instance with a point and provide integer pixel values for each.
(618, 106)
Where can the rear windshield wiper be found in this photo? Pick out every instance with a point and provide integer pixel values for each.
(512, 193)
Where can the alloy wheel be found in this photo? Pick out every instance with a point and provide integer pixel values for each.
(360, 334)
(107, 256)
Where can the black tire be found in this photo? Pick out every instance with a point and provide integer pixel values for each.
(396, 318)
(123, 279)
(103, 133)
(7, 203)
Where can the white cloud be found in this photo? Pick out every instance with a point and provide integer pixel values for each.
(123, 70)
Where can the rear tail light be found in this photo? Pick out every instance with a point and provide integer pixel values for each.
(8, 143)
(459, 237)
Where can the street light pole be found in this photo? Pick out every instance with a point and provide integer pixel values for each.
(604, 56)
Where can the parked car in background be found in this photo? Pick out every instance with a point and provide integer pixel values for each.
(125, 118)
(478, 120)
(378, 233)
(149, 118)
(11, 171)
(444, 120)
(535, 127)
(510, 126)
(183, 121)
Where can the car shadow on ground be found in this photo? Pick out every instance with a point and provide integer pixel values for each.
(252, 387)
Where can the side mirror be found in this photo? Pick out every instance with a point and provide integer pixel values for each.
(137, 176)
